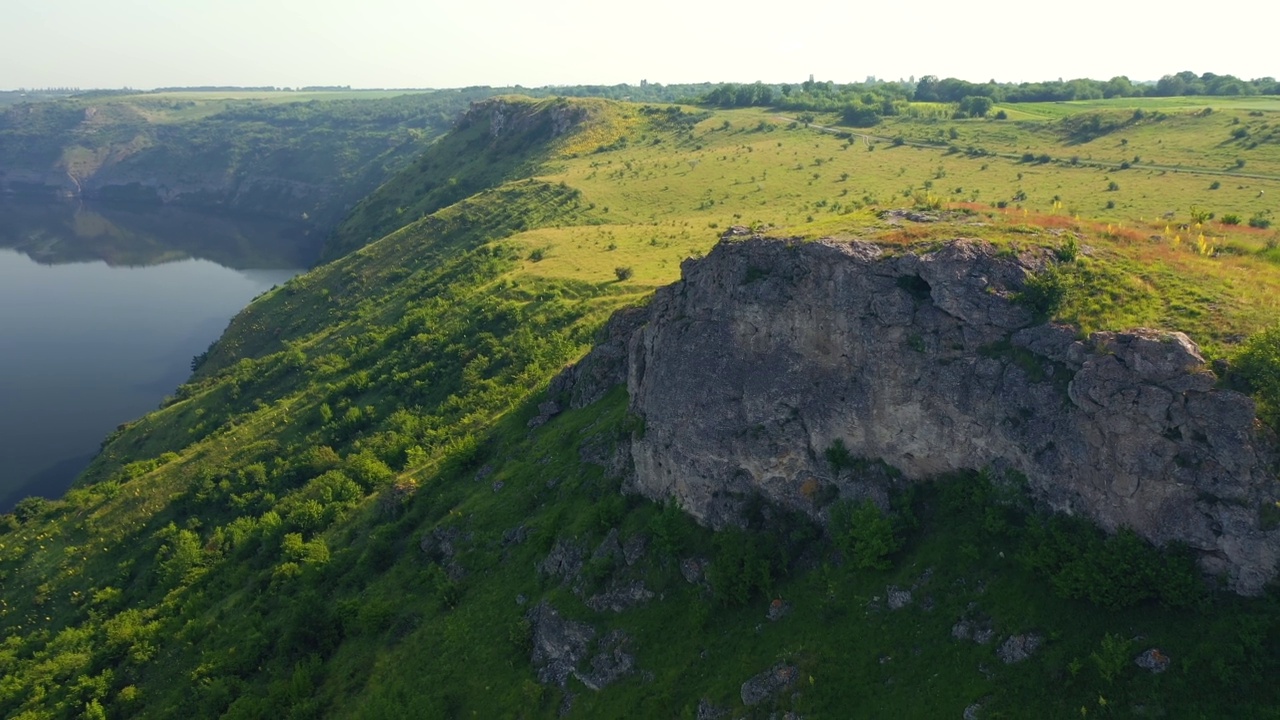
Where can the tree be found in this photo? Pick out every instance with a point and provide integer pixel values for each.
(976, 105)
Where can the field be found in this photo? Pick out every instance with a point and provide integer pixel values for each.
(663, 198)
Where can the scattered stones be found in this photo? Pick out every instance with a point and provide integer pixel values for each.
(1153, 660)
(498, 485)
(898, 598)
(979, 632)
(769, 683)
(709, 711)
(778, 609)
(973, 712)
(1019, 647)
(621, 598)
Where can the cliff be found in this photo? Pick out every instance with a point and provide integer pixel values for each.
(770, 353)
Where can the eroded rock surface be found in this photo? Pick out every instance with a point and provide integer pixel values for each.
(770, 351)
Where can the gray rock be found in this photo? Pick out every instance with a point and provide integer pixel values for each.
(621, 598)
(925, 362)
(778, 609)
(979, 632)
(611, 663)
(1153, 660)
(776, 679)
(515, 536)
(694, 569)
(609, 548)
(973, 712)
(560, 646)
(546, 411)
(1017, 648)
(564, 561)
(709, 711)
(604, 368)
(634, 548)
(897, 597)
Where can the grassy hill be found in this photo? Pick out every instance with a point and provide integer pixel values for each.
(347, 513)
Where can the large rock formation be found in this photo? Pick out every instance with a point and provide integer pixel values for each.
(770, 351)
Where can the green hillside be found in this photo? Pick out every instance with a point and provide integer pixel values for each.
(347, 511)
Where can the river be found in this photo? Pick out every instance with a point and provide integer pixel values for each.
(101, 311)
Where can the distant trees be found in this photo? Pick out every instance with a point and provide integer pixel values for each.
(931, 89)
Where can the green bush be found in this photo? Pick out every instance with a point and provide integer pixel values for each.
(1119, 571)
(863, 534)
(1044, 292)
(1258, 365)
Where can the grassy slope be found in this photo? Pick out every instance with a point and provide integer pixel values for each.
(384, 396)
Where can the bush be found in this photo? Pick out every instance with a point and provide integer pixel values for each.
(1230, 219)
(623, 273)
(863, 534)
(1260, 221)
(1044, 292)
(741, 567)
(1258, 365)
(1120, 571)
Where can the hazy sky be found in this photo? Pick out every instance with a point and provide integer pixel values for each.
(429, 43)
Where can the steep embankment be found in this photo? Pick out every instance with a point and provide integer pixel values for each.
(771, 355)
(290, 160)
(496, 141)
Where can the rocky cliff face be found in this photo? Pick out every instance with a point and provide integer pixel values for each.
(769, 352)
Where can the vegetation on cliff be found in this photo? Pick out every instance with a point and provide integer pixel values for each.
(360, 502)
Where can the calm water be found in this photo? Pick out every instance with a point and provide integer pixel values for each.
(101, 310)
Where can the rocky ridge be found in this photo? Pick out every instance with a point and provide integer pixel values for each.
(769, 352)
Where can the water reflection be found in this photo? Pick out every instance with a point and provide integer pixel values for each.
(101, 310)
(53, 233)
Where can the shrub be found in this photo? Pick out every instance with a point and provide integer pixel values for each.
(1113, 186)
(1215, 185)
(1044, 292)
(1258, 365)
(623, 273)
(741, 567)
(1230, 219)
(1115, 572)
(838, 456)
(863, 534)
(1260, 221)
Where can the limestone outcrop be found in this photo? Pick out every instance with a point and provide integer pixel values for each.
(769, 352)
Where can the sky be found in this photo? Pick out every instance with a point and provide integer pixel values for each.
(145, 44)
